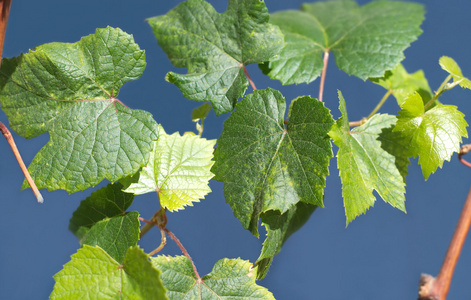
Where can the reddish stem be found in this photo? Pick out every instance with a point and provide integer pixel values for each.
(7, 134)
(252, 84)
(463, 151)
(174, 238)
(324, 71)
(5, 13)
(437, 289)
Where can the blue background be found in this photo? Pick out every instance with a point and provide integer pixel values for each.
(379, 256)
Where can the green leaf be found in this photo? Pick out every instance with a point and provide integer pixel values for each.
(432, 135)
(114, 235)
(279, 229)
(69, 91)
(364, 166)
(178, 170)
(107, 202)
(230, 279)
(215, 48)
(396, 145)
(449, 64)
(266, 166)
(366, 41)
(93, 274)
(199, 114)
(401, 84)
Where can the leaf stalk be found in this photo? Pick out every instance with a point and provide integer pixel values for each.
(324, 71)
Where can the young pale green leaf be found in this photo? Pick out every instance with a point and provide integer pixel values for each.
(215, 48)
(69, 91)
(199, 114)
(107, 202)
(366, 41)
(401, 84)
(432, 135)
(93, 274)
(114, 235)
(178, 170)
(267, 166)
(279, 229)
(449, 64)
(364, 166)
(230, 279)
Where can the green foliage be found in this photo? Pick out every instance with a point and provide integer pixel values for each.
(101, 220)
(279, 228)
(273, 167)
(432, 135)
(401, 84)
(178, 170)
(267, 166)
(448, 64)
(364, 165)
(93, 274)
(229, 279)
(216, 47)
(366, 41)
(69, 91)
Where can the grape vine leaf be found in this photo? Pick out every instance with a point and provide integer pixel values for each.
(366, 41)
(93, 274)
(265, 166)
(178, 169)
(199, 114)
(449, 64)
(101, 220)
(215, 48)
(69, 91)
(364, 165)
(432, 135)
(279, 228)
(395, 144)
(107, 202)
(401, 84)
(229, 279)
(114, 235)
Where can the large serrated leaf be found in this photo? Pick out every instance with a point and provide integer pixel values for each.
(93, 274)
(364, 166)
(432, 135)
(266, 166)
(229, 279)
(216, 47)
(178, 170)
(366, 41)
(69, 91)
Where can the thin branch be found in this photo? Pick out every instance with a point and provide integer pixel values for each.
(252, 84)
(5, 13)
(380, 104)
(437, 288)
(149, 224)
(163, 242)
(7, 134)
(324, 71)
(357, 123)
(463, 151)
(174, 238)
